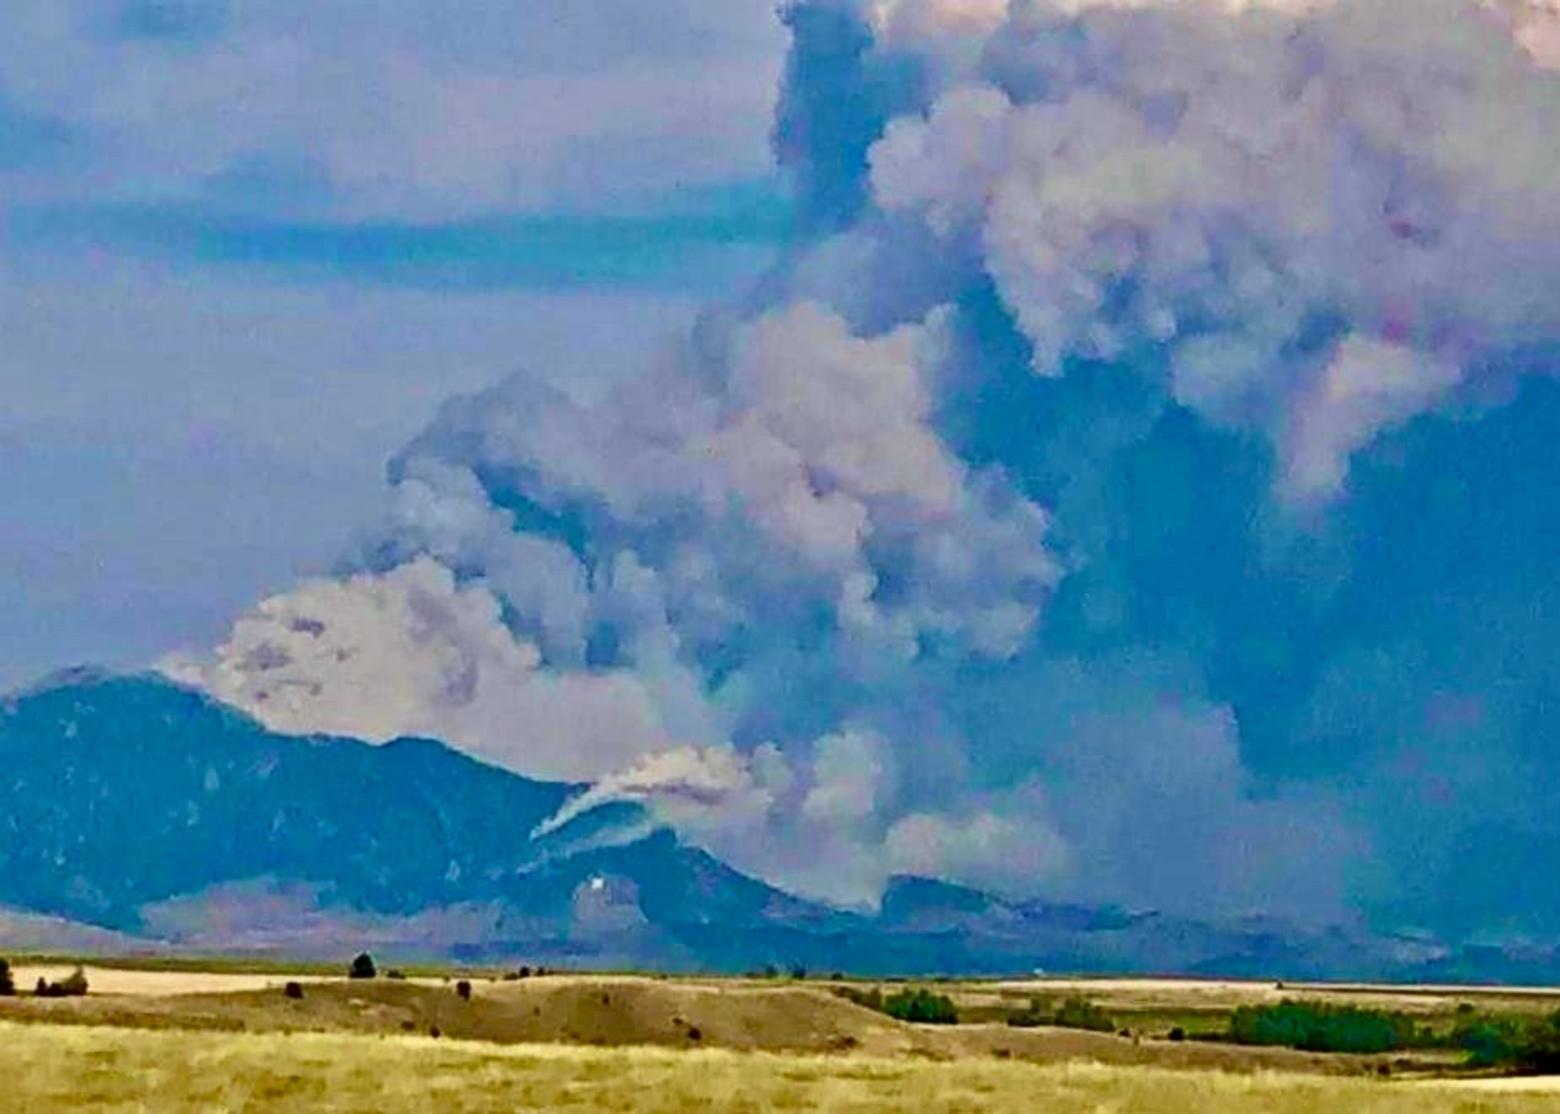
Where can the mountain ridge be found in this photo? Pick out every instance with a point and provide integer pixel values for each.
(146, 810)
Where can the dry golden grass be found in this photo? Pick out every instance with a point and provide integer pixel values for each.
(49, 1068)
(130, 982)
(623, 1011)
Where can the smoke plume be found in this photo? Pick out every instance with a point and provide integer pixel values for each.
(1076, 507)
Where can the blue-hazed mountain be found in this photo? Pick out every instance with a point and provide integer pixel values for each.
(147, 810)
(119, 793)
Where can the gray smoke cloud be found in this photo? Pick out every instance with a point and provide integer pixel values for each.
(804, 585)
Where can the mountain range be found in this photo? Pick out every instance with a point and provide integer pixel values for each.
(139, 815)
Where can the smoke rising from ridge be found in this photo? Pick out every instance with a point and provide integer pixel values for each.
(1035, 515)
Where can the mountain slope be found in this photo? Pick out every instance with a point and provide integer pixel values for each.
(130, 805)
(117, 792)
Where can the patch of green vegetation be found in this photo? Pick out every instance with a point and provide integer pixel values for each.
(1523, 1043)
(921, 1007)
(1320, 1027)
(1073, 1013)
(917, 1004)
(73, 985)
(871, 998)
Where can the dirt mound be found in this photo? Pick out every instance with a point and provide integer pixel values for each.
(651, 1012)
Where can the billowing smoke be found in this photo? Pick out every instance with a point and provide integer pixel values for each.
(411, 653)
(1144, 382)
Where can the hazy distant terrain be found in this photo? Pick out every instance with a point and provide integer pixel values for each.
(140, 816)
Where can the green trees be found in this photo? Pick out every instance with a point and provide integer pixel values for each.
(922, 1007)
(1532, 1044)
(1319, 1027)
(916, 1005)
(73, 985)
(1073, 1013)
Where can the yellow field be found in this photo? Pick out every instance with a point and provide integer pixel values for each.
(50, 1068)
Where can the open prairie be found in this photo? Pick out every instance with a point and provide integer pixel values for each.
(51, 1068)
(230, 1038)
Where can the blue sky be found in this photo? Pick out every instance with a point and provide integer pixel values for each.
(226, 299)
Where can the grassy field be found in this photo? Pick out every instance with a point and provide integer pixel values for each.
(177, 1036)
(61, 1068)
(1202, 1006)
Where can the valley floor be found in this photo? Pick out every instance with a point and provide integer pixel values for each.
(65, 1068)
(185, 1039)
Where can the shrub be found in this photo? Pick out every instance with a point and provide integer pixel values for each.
(1074, 1013)
(1318, 1027)
(395, 973)
(293, 990)
(73, 985)
(871, 999)
(1528, 1044)
(362, 967)
(798, 972)
(463, 988)
(7, 983)
(921, 1007)
(1080, 1013)
(1178, 1034)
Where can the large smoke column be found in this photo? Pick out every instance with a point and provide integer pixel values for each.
(1068, 512)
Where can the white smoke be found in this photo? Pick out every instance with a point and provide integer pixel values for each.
(1381, 174)
(411, 653)
(714, 787)
(761, 592)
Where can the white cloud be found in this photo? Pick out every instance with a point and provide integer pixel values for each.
(404, 113)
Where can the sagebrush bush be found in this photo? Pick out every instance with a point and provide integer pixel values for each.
(872, 998)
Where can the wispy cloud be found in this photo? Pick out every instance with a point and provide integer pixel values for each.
(697, 242)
